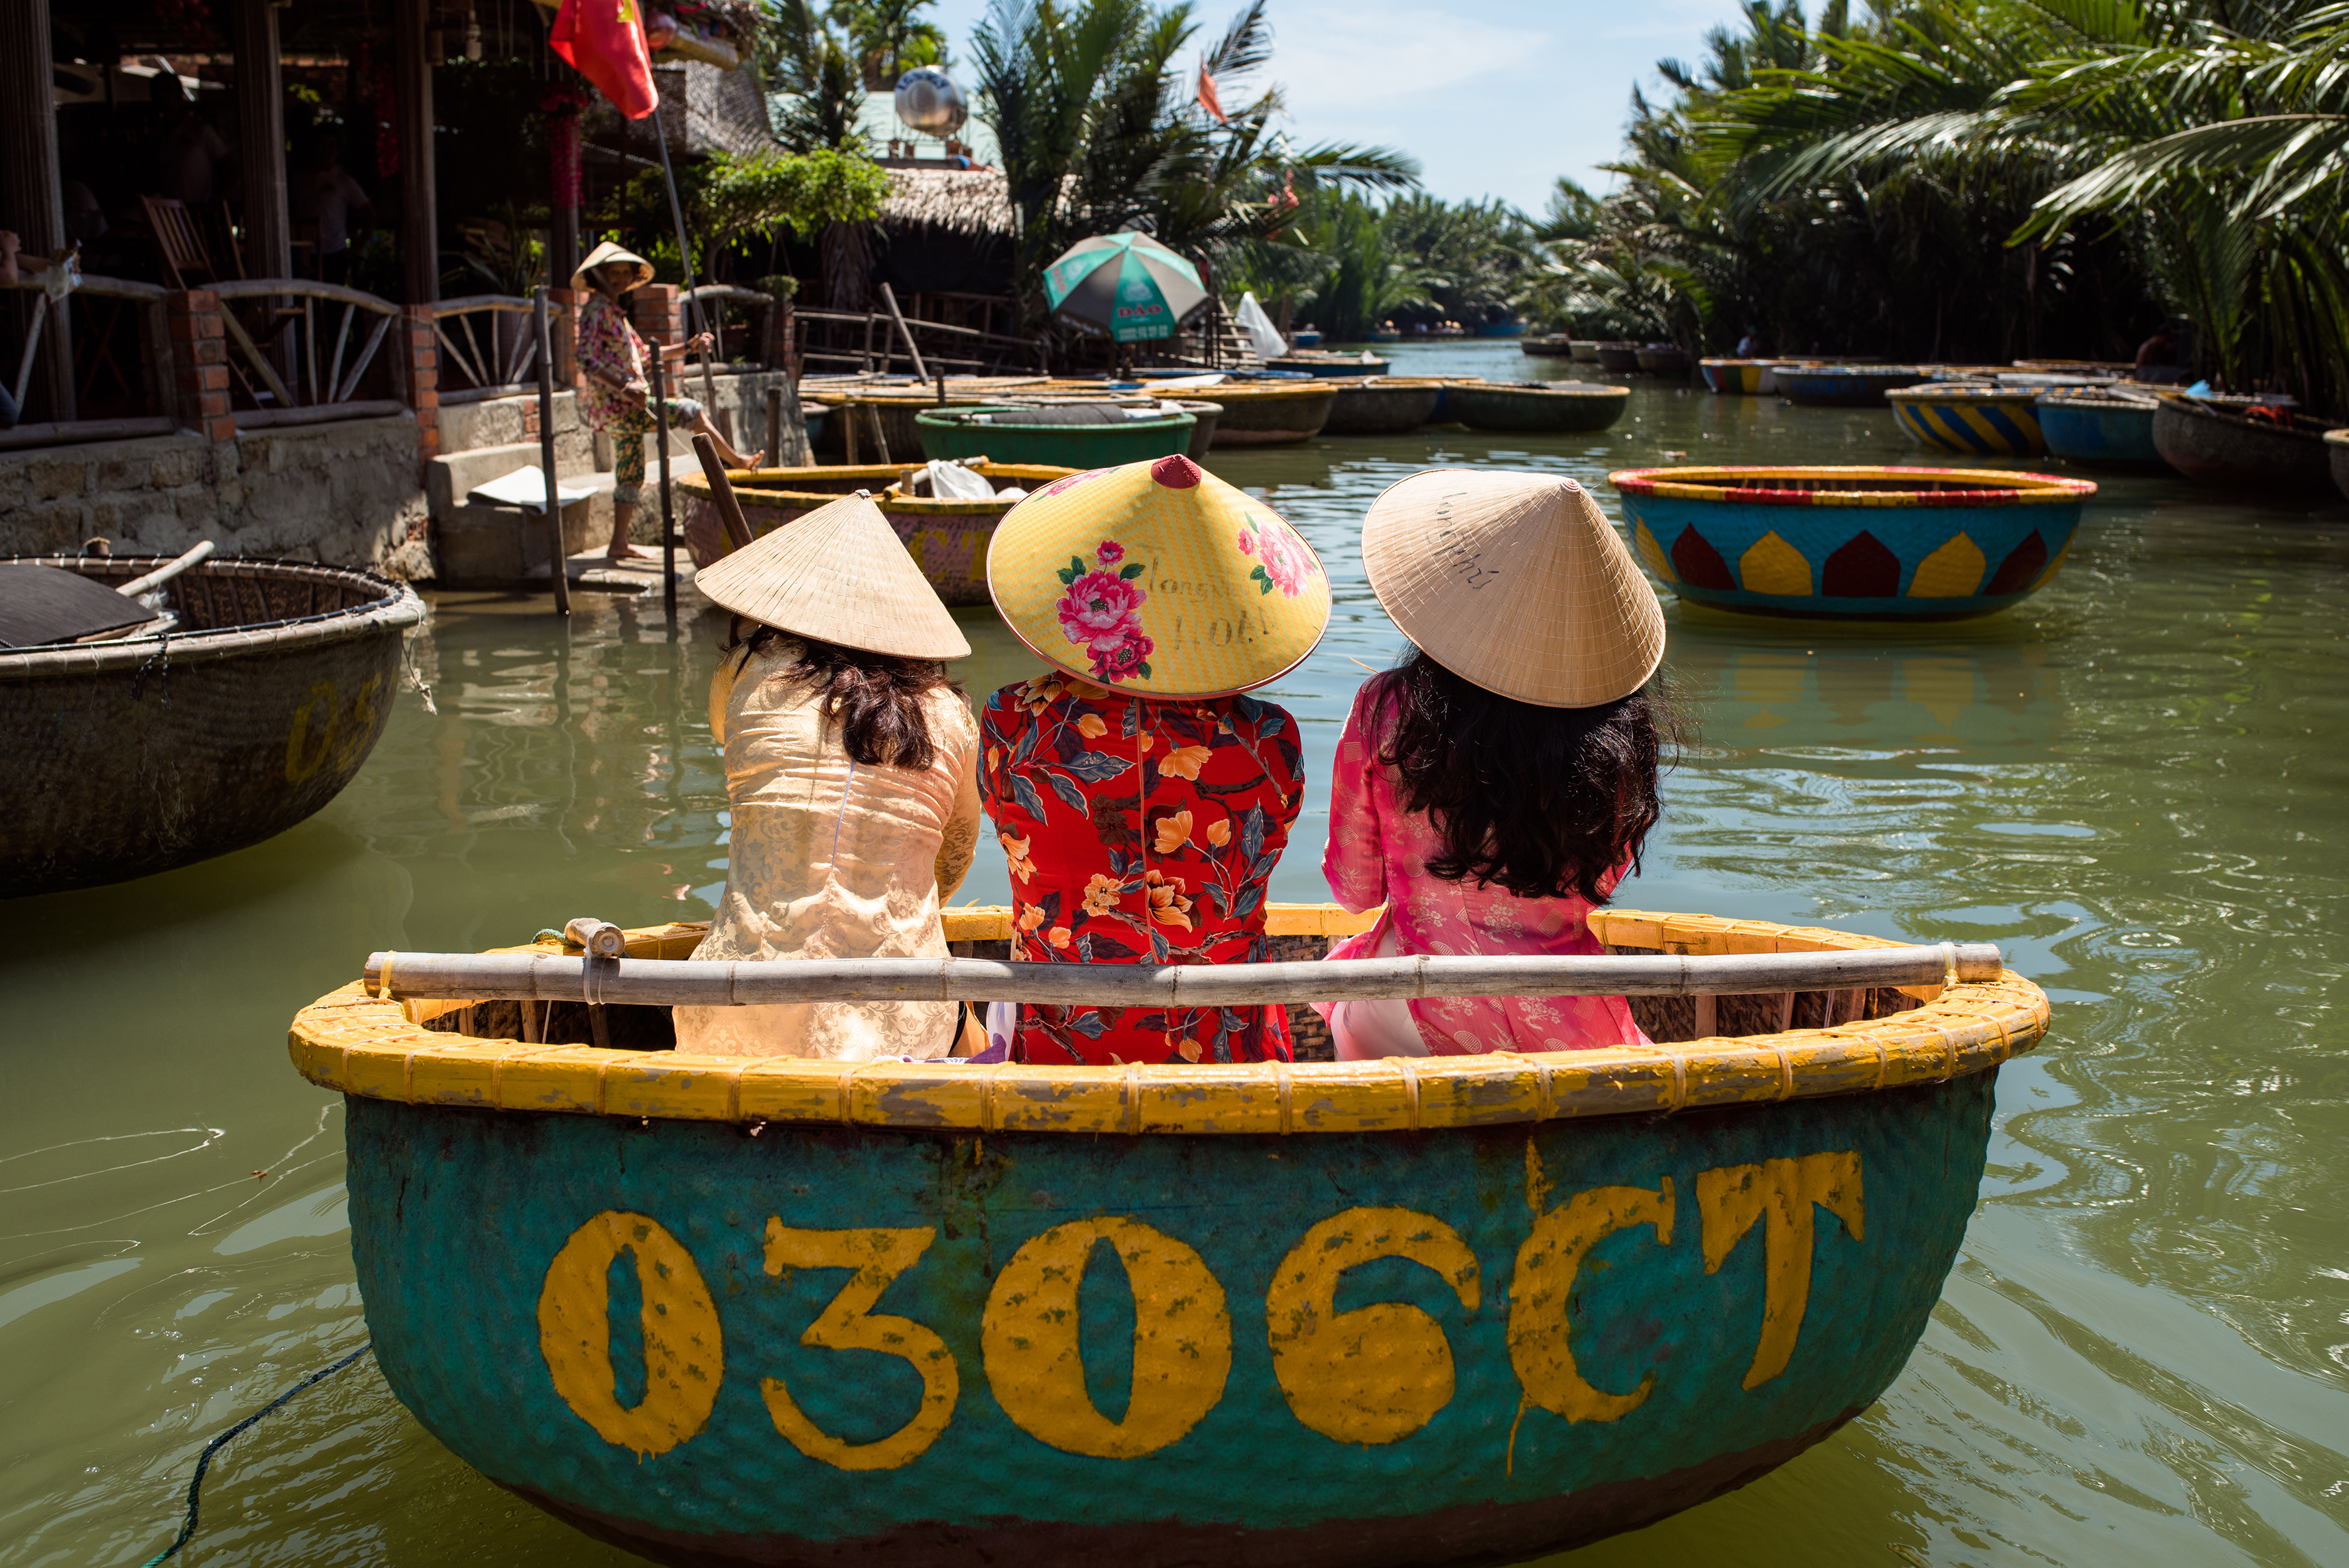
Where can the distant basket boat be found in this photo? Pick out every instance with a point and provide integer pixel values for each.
(1618, 358)
(1852, 543)
(1268, 413)
(2278, 455)
(949, 538)
(1741, 377)
(1663, 359)
(1554, 346)
(1329, 364)
(1844, 386)
(2102, 429)
(1389, 405)
(1969, 421)
(136, 755)
(1585, 350)
(1070, 435)
(1559, 407)
(1418, 1310)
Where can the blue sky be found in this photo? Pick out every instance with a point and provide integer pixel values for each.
(1493, 98)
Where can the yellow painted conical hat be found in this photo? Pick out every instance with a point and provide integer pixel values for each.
(609, 251)
(839, 575)
(1515, 582)
(1159, 579)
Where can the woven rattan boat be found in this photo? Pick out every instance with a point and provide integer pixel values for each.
(2100, 428)
(2271, 451)
(1536, 407)
(1266, 413)
(133, 757)
(1388, 406)
(1852, 543)
(1412, 1311)
(949, 538)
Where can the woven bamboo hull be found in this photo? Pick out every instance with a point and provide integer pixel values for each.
(1618, 358)
(1968, 423)
(1938, 552)
(130, 759)
(949, 538)
(1535, 409)
(1843, 386)
(630, 1310)
(2228, 448)
(2101, 433)
(1664, 361)
(1547, 347)
(1076, 446)
(1272, 418)
(1382, 409)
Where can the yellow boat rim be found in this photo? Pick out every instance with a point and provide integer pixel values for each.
(1874, 487)
(355, 1042)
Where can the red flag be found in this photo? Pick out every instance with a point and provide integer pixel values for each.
(606, 42)
(1207, 99)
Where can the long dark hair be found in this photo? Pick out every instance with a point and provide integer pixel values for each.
(875, 698)
(1542, 802)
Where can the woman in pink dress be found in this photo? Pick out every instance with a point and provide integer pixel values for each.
(1493, 788)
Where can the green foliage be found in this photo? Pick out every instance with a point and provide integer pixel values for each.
(889, 38)
(817, 77)
(801, 190)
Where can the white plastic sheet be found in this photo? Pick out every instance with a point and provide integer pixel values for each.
(1269, 343)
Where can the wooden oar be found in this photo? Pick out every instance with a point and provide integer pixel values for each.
(694, 982)
(165, 573)
(722, 490)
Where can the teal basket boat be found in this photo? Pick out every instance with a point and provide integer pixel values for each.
(1851, 543)
(1969, 421)
(2100, 429)
(1070, 436)
(1415, 1311)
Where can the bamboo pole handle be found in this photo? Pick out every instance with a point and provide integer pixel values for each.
(165, 573)
(654, 982)
(721, 493)
(598, 938)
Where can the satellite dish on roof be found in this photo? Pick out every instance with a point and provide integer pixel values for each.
(930, 102)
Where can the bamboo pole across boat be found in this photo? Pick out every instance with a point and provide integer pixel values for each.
(654, 982)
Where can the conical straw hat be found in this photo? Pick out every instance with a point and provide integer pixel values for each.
(1515, 582)
(839, 575)
(1158, 579)
(610, 252)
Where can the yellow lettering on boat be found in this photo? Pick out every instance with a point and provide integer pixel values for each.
(1782, 1192)
(1379, 1373)
(1953, 571)
(1539, 1328)
(1182, 1340)
(878, 1256)
(684, 1356)
(362, 726)
(301, 761)
(1774, 566)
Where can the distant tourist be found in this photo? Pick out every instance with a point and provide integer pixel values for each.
(1493, 788)
(326, 197)
(1140, 795)
(850, 772)
(188, 148)
(1753, 344)
(614, 394)
(2157, 356)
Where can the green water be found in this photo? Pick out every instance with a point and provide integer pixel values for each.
(2135, 783)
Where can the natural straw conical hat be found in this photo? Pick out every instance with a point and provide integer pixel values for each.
(1515, 582)
(839, 575)
(1158, 579)
(609, 251)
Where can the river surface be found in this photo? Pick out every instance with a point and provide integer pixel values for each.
(2133, 781)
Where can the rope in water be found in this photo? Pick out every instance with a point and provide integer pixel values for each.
(204, 1462)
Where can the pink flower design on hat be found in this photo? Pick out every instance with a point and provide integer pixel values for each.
(1109, 552)
(1101, 614)
(1285, 561)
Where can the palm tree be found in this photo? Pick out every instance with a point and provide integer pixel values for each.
(826, 88)
(889, 38)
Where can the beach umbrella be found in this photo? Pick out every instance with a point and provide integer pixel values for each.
(1129, 286)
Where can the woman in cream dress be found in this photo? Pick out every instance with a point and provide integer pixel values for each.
(851, 769)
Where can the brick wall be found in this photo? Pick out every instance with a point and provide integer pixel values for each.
(199, 363)
(420, 372)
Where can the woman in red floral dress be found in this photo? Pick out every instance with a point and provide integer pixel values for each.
(1143, 802)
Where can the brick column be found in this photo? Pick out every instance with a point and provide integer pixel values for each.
(199, 363)
(782, 349)
(420, 370)
(659, 315)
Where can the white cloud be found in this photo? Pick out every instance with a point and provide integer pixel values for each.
(1341, 60)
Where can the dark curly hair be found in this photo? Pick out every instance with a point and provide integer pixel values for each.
(875, 698)
(1542, 802)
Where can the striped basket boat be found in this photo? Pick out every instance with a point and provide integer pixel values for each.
(1969, 421)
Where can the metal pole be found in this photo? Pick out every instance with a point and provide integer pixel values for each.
(685, 259)
(557, 558)
(669, 530)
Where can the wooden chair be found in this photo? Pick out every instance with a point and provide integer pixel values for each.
(185, 255)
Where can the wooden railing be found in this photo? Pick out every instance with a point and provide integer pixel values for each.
(879, 345)
(713, 299)
(504, 366)
(148, 384)
(316, 392)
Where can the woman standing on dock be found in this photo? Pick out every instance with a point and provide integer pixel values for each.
(850, 771)
(613, 395)
(1494, 787)
(1140, 796)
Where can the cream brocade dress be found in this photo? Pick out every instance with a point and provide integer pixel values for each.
(830, 859)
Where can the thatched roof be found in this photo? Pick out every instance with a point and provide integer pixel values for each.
(971, 202)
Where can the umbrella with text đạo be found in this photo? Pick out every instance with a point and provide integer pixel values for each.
(1127, 285)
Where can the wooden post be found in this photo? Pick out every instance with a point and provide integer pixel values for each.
(721, 493)
(775, 425)
(559, 557)
(668, 529)
(32, 200)
(420, 238)
(261, 116)
(889, 298)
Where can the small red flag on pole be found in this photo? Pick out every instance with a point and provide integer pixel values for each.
(1207, 99)
(604, 41)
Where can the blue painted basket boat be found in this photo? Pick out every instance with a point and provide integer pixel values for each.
(1851, 543)
(2100, 428)
(1741, 377)
(1844, 386)
(1979, 421)
(1414, 1310)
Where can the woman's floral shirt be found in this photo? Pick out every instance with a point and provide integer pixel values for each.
(606, 343)
(1140, 832)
